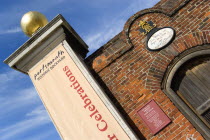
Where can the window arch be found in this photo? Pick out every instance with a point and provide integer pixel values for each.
(187, 83)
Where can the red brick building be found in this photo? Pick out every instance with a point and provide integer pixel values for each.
(176, 77)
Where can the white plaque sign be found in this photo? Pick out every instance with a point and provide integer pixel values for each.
(160, 39)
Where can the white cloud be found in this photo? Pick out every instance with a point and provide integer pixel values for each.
(42, 136)
(13, 13)
(98, 38)
(10, 77)
(35, 118)
(21, 99)
(10, 31)
(13, 94)
(38, 111)
(111, 28)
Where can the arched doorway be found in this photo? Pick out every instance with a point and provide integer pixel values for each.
(187, 83)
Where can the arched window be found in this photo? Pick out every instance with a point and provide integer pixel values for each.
(191, 83)
(187, 83)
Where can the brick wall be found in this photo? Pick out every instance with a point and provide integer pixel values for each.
(132, 75)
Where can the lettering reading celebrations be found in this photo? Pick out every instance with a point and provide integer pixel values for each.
(94, 113)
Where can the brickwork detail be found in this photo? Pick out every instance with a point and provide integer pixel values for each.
(133, 74)
(164, 57)
(108, 53)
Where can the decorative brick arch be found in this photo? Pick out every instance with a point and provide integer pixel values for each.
(166, 56)
(132, 19)
(169, 11)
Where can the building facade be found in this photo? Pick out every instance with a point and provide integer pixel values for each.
(176, 76)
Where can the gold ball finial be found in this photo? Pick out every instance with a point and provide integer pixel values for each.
(32, 21)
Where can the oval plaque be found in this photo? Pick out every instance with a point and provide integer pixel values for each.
(160, 39)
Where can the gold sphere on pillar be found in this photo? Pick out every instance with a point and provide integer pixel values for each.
(32, 21)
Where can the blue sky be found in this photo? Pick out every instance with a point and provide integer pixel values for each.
(22, 115)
